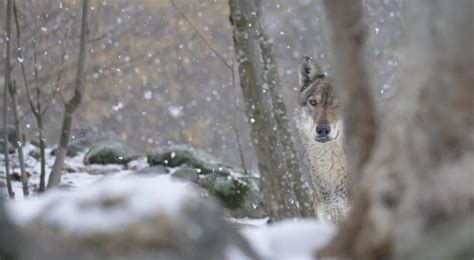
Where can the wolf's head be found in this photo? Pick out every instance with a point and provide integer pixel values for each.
(318, 106)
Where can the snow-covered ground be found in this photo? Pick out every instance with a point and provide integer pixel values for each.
(287, 240)
(290, 239)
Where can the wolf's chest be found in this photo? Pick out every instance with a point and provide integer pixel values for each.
(327, 161)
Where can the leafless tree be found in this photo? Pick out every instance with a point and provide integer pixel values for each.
(285, 192)
(37, 106)
(8, 17)
(413, 174)
(74, 102)
(19, 144)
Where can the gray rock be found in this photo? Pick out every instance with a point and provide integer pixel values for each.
(109, 152)
(178, 155)
(85, 137)
(152, 171)
(186, 173)
(236, 192)
(252, 203)
(189, 227)
(240, 195)
(230, 191)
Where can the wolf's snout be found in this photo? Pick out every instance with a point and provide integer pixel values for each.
(322, 131)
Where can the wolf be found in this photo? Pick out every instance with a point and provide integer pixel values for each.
(320, 131)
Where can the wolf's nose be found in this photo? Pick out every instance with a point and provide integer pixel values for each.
(323, 130)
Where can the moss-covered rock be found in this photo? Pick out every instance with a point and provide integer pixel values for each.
(230, 191)
(237, 192)
(191, 227)
(186, 173)
(178, 155)
(152, 171)
(83, 138)
(108, 152)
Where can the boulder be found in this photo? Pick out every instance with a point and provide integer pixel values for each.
(239, 195)
(152, 171)
(230, 191)
(128, 218)
(237, 192)
(178, 155)
(108, 152)
(83, 138)
(186, 173)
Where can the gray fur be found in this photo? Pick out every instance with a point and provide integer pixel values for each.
(326, 161)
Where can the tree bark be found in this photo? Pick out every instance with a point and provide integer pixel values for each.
(42, 154)
(417, 181)
(37, 109)
(5, 97)
(19, 144)
(73, 104)
(352, 78)
(285, 137)
(283, 188)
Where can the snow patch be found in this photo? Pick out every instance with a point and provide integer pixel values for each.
(289, 239)
(85, 210)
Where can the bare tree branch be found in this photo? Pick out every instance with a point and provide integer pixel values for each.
(22, 62)
(208, 44)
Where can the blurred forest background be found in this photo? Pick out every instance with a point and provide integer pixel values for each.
(152, 79)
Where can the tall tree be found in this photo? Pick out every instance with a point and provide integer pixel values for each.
(37, 106)
(19, 143)
(74, 102)
(285, 192)
(414, 197)
(8, 24)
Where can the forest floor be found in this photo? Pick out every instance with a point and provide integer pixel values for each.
(290, 239)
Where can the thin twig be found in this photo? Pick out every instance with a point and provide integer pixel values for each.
(208, 44)
(101, 36)
(22, 63)
(60, 72)
(232, 73)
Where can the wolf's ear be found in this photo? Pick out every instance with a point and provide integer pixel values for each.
(309, 71)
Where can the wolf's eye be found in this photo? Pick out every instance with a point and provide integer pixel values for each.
(313, 102)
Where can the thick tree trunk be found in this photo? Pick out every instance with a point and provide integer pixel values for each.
(5, 97)
(285, 193)
(352, 80)
(416, 189)
(294, 172)
(56, 172)
(71, 106)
